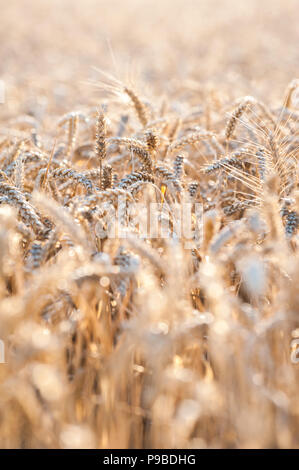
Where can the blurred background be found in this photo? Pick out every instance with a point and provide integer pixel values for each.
(49, 48)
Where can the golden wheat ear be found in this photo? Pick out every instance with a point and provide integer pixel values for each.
(70, 121)
(293, 85)
(139, 106)
(100, 142)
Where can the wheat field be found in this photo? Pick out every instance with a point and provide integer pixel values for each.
(118, 330)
